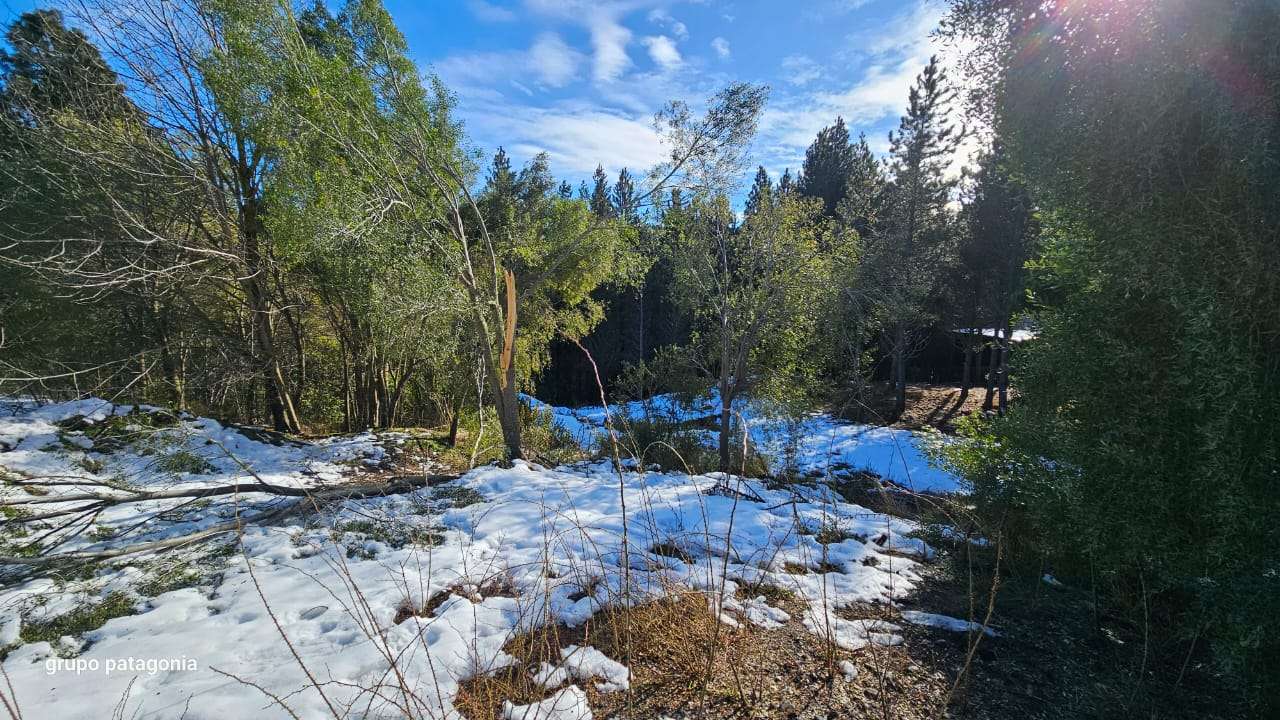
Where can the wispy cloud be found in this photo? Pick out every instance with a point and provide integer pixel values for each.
(663, 19)
(554, 61)
(576, 137)
(721, 47)
(801, 69)
(549, 63)
(489, 12)
(663, 51)
(602, 20)
(893, 55)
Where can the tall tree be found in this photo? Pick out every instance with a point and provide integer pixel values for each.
(915, 218)
(786, 185)
(827, 164)
(601, 203)
(998, 243)
(761, 193)
(624, 198)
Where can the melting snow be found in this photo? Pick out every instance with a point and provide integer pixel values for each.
(551, 538)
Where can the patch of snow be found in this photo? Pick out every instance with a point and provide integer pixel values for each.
(820, 442)
(551, 676)
(567, 704)
(849, 670)
(585, 663)
(946, 622)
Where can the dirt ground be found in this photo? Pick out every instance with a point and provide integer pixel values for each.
(935, 406)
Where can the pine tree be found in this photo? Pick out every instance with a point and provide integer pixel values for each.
(624, 198)
(917, 197)
(864, 189)
(827, 164)
(761, 194)
(600, 204)
(786, 185)
(566, 190)
(50, 67)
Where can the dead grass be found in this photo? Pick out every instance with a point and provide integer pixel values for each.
(685, 664)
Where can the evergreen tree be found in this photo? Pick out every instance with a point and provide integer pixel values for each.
(761, 193)
(915, 226)
(827, 165)
(864, 189)
(566, 190)
(1144, 444)
(624, 198)
(786, 185)
(600, 203)
(50, 67)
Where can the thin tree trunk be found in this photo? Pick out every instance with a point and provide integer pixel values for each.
(900, 370)
(965, 375)
(993, 360)
(1004, 366)
(455, 411)
(726, 417)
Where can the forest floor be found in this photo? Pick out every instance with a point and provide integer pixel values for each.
(526, 592)
(929, 406)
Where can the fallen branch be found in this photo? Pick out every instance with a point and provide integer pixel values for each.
(310, 497)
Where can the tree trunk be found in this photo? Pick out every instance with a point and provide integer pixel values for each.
(508, 403)
(993, 360)
(1004, 366)
(283, 416)
(966, 378)
(346, 386)
(455, 411)
(900, 370)
(726, 417)
(508, 407)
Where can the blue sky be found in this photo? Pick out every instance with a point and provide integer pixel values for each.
(581, 79)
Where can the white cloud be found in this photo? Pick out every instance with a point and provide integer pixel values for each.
(554, 61)
(602, 20)
(663, 51)
(609, 40)
(576, 137)
(801, 69)
(489, 12)
(721, 46)
(663, 19)
(907, 32)
(896, 53)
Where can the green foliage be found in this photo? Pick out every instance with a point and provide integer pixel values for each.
(546, 440)
(396, 534)
(1143, 449)
(828, 163)
(754, 293)
(183, 461)
(90, 616)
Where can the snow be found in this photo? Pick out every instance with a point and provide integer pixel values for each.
(585, 663)
(822, 444)
(568, 704)
(1016, 336)
(946, 622)
(544, 546)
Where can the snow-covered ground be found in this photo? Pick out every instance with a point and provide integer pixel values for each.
(822, 444)
(507, 549)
